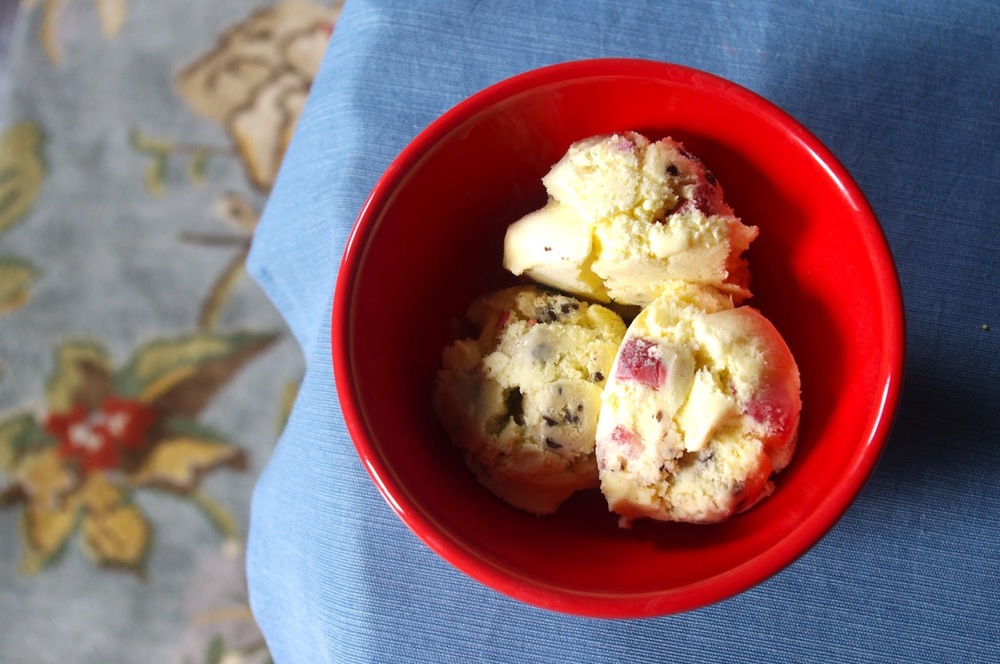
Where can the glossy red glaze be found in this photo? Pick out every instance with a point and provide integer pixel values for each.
(429, 240)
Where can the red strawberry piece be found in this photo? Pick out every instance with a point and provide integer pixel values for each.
(640, 360)
(774, 412)
(628, 442)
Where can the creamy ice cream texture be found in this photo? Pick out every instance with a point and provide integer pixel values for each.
(521, 400)
(700, 409)
(626, 218)
(687, 414)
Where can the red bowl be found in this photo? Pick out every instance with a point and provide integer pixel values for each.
(429, 240)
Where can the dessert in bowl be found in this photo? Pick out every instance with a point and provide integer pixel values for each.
(429, 241)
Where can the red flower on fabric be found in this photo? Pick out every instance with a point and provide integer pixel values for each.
(96, 438)
(111, 432)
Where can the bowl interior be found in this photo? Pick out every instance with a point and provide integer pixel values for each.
(430, 240)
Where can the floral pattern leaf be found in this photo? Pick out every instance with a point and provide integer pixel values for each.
(216, 649)
(179, 377)
(286, 36)
(16, 278)
(198, 164)
(222, 287)
(217, 513)
(112, 15)
(82, 376)
(22, 170)
(19, 435)
(255, 81)
(179, 462)
(288, 396)
(41, 478)
(116, 533)
(118, 537)
(45, 530)
(236, 210)
(155, 176)
(262, 129)
(47, 31)
(145, 144)
(99, 494)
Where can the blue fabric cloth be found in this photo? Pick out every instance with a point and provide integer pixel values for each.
(905, 94)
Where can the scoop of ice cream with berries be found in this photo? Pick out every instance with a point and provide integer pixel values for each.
(688, 413)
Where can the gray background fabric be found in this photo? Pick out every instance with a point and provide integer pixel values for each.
(8, 9)
(903, 93)
(117, 264)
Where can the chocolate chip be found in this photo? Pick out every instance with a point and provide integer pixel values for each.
(659, 416)
(549, 421)
(547, 248)
(513, 401)
(673, 170)
(597, 377)
(568, 307)
(709, 177)
(551, 444)
(547, 315)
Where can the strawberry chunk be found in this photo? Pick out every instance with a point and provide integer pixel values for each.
(640, 360)
(776, 414)
(627, 439)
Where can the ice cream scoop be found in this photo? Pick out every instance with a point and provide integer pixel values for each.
(700, 409)
(625, 219)
(521, 399)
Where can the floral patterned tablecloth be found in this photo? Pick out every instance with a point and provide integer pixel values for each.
(143, 377)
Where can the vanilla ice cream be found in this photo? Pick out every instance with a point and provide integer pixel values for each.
(522, 399)
(626, 218)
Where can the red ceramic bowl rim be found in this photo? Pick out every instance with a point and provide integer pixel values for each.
(692, 596)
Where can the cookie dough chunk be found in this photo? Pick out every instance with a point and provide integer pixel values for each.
(521, 400)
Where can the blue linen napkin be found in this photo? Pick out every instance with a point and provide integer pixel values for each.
(905, 94)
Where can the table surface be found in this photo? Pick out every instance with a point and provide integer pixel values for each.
(905, 94)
